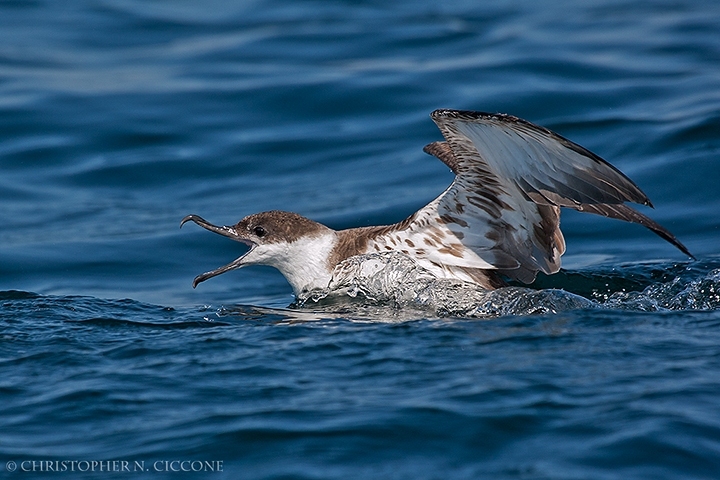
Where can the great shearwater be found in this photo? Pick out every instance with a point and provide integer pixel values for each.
(499, 219)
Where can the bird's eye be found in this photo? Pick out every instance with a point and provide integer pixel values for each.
(259, 231)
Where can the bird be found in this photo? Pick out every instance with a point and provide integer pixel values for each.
(498, 221)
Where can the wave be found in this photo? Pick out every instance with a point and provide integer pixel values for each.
(391, 287)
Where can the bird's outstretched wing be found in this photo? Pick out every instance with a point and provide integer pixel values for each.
(511, 178)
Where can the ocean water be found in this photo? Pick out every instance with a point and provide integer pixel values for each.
(120, 117)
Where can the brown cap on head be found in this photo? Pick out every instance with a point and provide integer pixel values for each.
(278, 226)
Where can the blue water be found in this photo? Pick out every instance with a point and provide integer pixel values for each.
(119, 117)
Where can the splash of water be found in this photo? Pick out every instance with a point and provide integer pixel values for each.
(396, 280)
(678, 294)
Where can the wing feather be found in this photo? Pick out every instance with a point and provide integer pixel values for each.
(512, 177)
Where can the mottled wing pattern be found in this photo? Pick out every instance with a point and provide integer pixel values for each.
(494, 217)
(438, 246)
(502, 211)
(485, 214)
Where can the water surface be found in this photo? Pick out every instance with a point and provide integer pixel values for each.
(119, 117)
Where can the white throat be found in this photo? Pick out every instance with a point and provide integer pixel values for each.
(304, 262)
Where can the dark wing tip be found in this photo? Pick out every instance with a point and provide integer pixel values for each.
(629, 214)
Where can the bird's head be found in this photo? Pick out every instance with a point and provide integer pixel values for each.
(295, 245)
